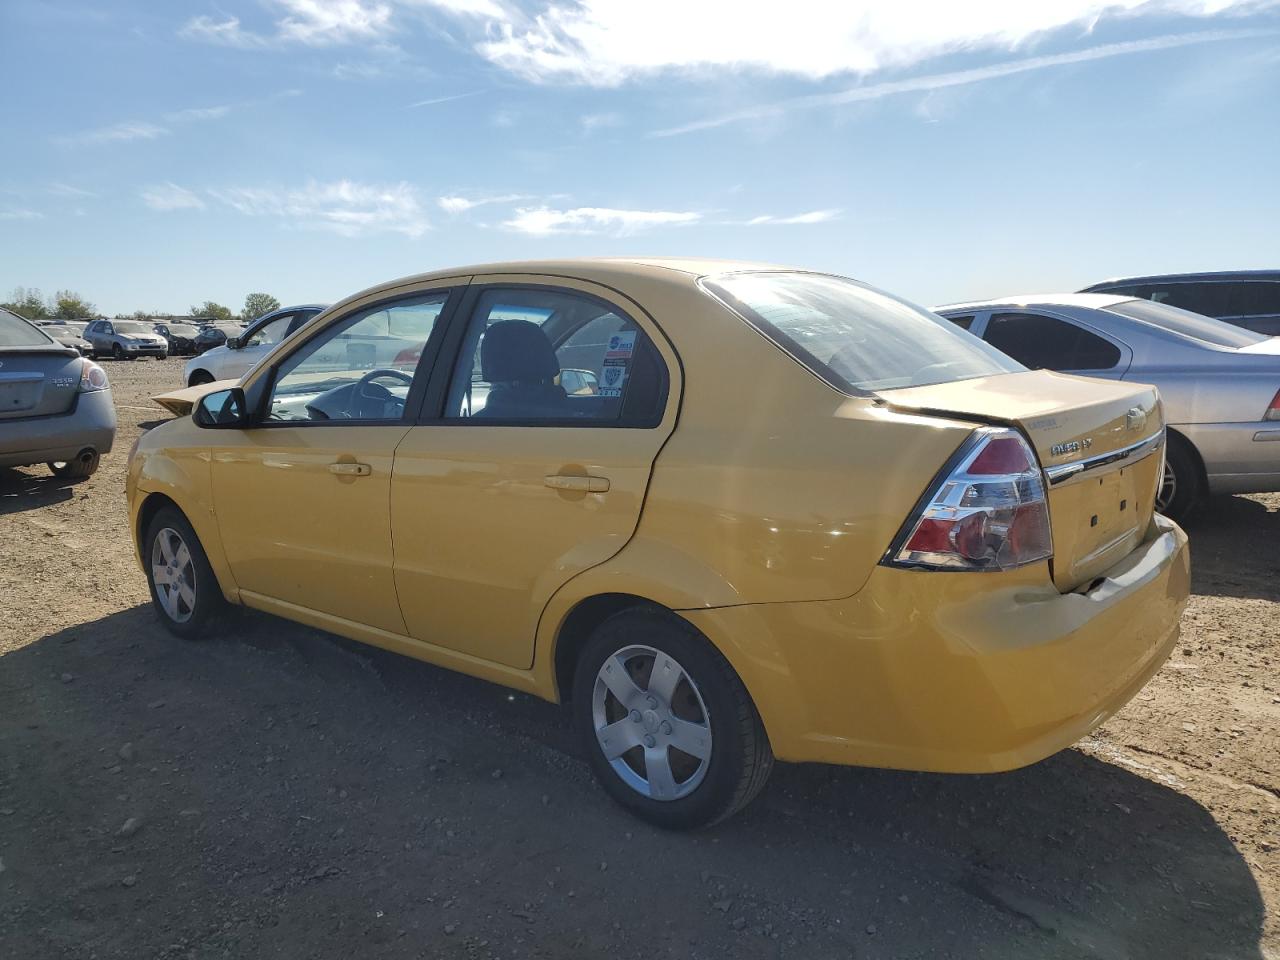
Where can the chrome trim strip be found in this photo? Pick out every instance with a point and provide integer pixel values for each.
(1062, 472)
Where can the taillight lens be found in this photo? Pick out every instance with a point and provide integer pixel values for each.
(1273, 410)
(989, 513)
(92, 378)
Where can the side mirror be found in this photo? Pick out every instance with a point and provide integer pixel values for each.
(233, 343)
(221, 410)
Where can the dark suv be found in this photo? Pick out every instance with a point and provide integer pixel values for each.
(1246, 298)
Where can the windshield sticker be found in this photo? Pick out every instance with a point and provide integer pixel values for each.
(612, 377)
(621, 345)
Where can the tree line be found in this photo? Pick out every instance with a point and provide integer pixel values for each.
(29, 302)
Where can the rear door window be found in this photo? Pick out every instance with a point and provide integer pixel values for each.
(1207, 298)
(1047, 343)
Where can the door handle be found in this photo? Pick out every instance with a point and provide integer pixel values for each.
(351, 469)
(581, 484)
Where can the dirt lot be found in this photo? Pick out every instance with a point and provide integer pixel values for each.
(279, 792)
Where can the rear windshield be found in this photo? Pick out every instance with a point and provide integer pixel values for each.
(853, 336)
(1187, 324)
(16, 332)
(182, 329)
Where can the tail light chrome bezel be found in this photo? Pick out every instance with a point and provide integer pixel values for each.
(987, 504)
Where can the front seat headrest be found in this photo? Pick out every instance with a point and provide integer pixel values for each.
(517, 350)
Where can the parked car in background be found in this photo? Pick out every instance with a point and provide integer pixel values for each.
(180, 336)
(74, 326)
(125, 340)
(68, 337)
(795, 517)
(55, 406)
(213, 335)
(1220, 384)
(1246, 298)
(233, 358)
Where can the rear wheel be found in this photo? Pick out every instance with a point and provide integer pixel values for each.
(1181, 488)
(199, 377)
(82, 466)
(668, 728)
(184, 590)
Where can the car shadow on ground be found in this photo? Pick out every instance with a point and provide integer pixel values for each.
(293, 794)
(1235, 549)
(21, 490)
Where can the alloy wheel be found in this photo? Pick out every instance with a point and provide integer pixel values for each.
(1168, 488)
(651, 723)
(173, 574)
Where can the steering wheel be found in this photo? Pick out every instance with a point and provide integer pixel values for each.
(365, 388)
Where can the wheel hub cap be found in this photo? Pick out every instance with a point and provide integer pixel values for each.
(651, 723)
(174, 575)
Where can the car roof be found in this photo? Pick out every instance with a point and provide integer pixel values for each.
(604, 270)
(1184, 277)
(1093, 301)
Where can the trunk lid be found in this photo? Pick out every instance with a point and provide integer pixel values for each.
(1088, 434)
(38, 381)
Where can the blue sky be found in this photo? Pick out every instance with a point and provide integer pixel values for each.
(158, 155)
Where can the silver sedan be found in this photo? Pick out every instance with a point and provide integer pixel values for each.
(1220, 383)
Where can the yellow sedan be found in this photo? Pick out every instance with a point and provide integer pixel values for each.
(726, 512)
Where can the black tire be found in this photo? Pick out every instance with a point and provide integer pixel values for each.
(117, 352)
(1182, 473)
(199, 377)
(163, 356)
(740, 757)
(80, 468)
(203, 613)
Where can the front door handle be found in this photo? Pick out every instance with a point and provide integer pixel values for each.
(582, 484)
(351, 469)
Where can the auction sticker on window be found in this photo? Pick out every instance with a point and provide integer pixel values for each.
(621, 346)
(612, 376)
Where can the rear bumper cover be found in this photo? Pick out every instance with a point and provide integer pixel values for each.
(961, 673)
(90, 423)
(1238, 457)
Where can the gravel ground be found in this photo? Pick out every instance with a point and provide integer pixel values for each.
(279, 792)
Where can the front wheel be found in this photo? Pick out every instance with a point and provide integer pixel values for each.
(184, 590)
(668, 728)
(117, 352)
(199, 377)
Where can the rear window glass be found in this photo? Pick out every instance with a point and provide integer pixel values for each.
(853, 336)
(1187, 324)
(16, 332)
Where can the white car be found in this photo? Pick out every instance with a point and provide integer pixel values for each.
(236, 357)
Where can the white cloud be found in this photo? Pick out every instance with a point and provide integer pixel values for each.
(117, 133)
(21, 215)
(169, 196)
(434, 100)
(813, 216)
(937, 81)
(67, 190)
(198, 113)
(346, 207)
(607, 42)
(544, 221)
(315, 23)
(592, 122)
(454, 204)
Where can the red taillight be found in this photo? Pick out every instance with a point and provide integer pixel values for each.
(1273, 410)
(989, 513)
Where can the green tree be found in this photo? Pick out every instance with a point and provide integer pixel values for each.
(69, 305)
(257, 304)
(215, 311)
(27, 302)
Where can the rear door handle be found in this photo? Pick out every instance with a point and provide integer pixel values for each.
(584, 484)
(351, 469)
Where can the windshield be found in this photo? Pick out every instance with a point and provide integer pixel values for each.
(130, 328)
(182, 329)
(1187, 324)
(16, 332)
(853, 336)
